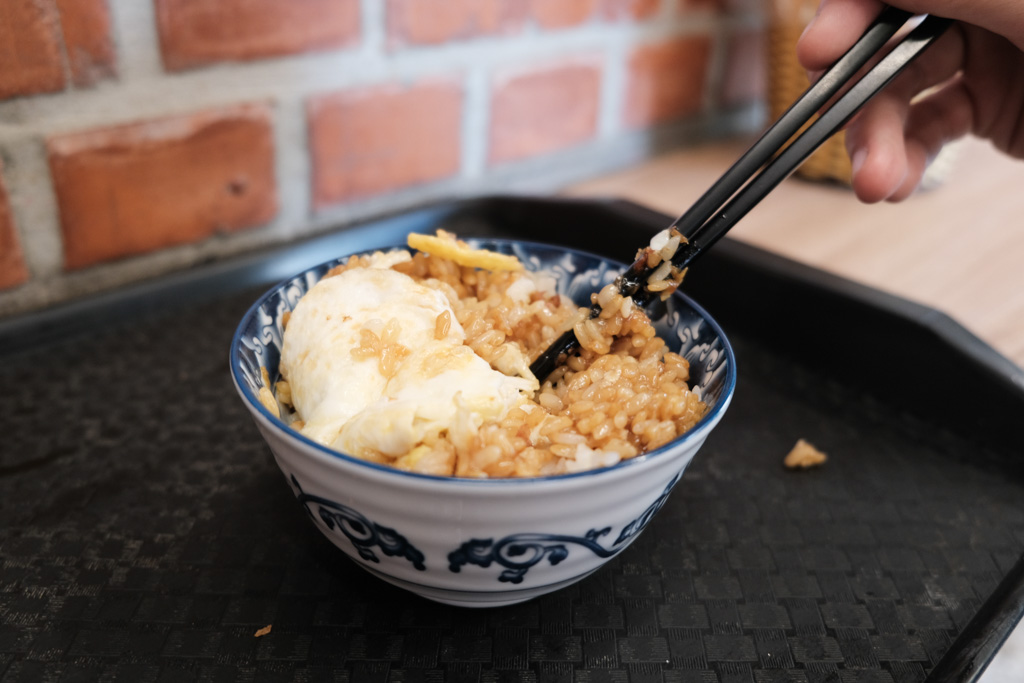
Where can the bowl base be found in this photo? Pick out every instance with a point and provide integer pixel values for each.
(459, 598)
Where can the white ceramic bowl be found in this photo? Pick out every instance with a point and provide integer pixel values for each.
(481, 543)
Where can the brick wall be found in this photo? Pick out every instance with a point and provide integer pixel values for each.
(138, 137)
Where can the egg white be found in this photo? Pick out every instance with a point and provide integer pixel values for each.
(348, 404)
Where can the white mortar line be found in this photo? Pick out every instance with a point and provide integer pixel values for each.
(33, 206)
(134, 32)
(475, 130)
(293, 166)
(373, 26)
(613, 87)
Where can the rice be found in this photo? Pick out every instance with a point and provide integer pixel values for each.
(623, 394)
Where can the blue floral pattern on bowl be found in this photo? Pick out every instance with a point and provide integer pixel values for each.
(518, 552)
(364, 534)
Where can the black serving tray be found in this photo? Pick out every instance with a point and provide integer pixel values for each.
(146, 534)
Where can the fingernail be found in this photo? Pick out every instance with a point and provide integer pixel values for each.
(803, 34)
(811, 21)
(806, 29)
(857, 160)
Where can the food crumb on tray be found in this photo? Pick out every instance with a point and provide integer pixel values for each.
(804, 456)
(263, 631)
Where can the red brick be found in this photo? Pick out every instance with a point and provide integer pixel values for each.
(666, 80)
(196, 32)
(141, 187)
(384, 138)
(556, 14)
(745, 69)
(12, 266)
(30, 58)
(432, 22)
(543, 111)
(630, 9)
(90, 48)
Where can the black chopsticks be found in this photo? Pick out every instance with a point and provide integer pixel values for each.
(739, 189)
(704, 223)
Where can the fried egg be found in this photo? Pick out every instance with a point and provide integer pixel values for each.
(351, 400)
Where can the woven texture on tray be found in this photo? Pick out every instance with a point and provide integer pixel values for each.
(150, 538)
(787, 80)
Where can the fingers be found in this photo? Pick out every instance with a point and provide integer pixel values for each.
(940, 62)
(836, 27)
(995, 76)
(889, 164)
(887, 161)
(839, 23)
(944, 116)
(1002, 17)
(973, 71)
(875, 143)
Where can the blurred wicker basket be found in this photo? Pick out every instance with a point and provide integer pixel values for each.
(787, 80)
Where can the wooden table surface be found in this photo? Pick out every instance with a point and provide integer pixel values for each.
(958, 248)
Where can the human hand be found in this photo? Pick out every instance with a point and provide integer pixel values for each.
(974, 74)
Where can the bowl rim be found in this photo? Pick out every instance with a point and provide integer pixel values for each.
(709, 418)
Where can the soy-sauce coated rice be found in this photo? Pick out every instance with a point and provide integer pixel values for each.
(624, 394)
